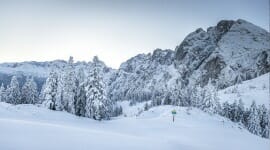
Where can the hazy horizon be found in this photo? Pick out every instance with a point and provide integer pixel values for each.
(113, 30)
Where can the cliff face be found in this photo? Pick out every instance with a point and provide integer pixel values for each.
(228, 53)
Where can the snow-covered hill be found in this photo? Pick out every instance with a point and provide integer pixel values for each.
(153, 129)
(256, 89)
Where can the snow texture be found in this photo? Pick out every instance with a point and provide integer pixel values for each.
(153, 129)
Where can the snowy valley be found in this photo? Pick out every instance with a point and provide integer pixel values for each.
(217, 81)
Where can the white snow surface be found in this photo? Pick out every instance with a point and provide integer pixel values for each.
(256, 89)
(28, 127)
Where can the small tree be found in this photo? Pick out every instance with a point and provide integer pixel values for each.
(146, 106)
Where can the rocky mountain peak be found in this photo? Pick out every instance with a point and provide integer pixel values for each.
(226, 52)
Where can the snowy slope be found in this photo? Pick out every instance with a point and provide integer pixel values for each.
(153, 129)
(255, 89)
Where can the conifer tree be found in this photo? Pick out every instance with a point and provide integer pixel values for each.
(81, 94)
(69, 87)
(97, 106)
(264, 121)
(241, 111)
(13, 92)
(50, 90)
(2, 93)
(254, 120)
(29, 91)
(80, 100)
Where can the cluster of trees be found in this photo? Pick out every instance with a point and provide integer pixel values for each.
(79, 94)
(68, 90)
(255, 119)
(203, 98)
(13, 94)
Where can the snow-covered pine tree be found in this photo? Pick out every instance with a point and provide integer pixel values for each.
(97, 106)
(193, 95)
(254, 120)
(80, 76)
(69, 87)
(268, 127)
(178, 95)
(226, 110)
(146, 106)
(264, 120)
(246, 117)
(197, 96)
(157, 100)
(29, 91)
(167, 99)
(59, 103)
(211, 102)
(234, 111)
(50, 90)
(2, 93)
(13, 92)
(241, 111)
(81, 94)
(80, 100)
(118, 111)
(41, 97)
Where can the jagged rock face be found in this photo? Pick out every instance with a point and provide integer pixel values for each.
(195, 48)
(222, 28)
(225, 54)
(144, 77)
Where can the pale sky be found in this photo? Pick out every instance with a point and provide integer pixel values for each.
(115, 30)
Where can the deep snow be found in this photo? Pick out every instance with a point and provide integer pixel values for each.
(26, 127)
(256, 89)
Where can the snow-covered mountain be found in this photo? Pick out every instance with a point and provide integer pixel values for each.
(230, 52)
(226, 54)
(145, 76)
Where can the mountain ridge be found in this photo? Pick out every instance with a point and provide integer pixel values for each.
(225, 54)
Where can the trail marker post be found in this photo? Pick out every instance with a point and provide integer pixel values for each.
(173, 113)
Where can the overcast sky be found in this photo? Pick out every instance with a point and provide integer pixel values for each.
(115, 30)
